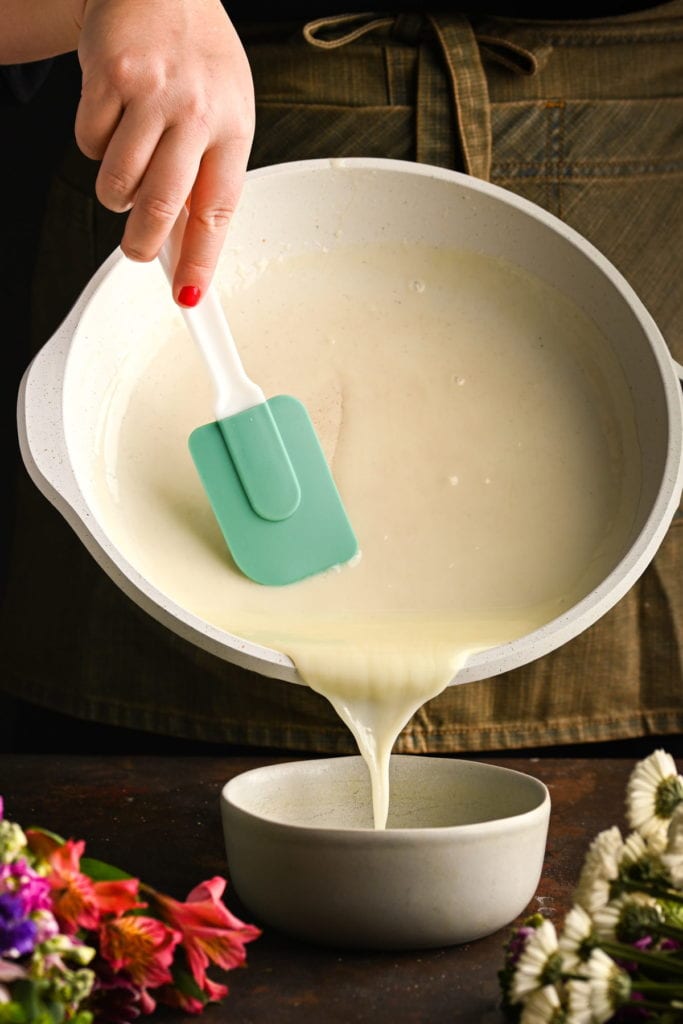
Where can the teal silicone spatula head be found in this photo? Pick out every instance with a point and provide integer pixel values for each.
(260, 462)
(315, 536)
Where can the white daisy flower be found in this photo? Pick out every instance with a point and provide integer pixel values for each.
(544, 1007)
(634, 850)
(539, 964)
(579, 1009)
(627, 918)
(592, 890)
(577, 939)
(641, 859)
(653, 792)
(674, 837)
(672, 857)
(600, 869)
(609, 986)
(606, 850)
(607, 920)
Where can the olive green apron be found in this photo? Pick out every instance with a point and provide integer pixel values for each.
(584, 118)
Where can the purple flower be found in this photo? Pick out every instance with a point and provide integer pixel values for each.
(17, 932)
(517, 943)
(2, 808)
(115, 999)
(631, 1013)
(21, 880)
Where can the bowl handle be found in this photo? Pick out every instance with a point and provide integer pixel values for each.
(40, 422)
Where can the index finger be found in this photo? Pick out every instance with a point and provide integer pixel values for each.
(215, 195)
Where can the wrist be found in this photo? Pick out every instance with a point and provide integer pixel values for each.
(77, 12)
(33, 29)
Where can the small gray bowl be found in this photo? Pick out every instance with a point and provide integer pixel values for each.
(461, 856)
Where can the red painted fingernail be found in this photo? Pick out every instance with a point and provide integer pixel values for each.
(189, 295)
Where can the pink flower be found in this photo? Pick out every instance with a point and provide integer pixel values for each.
(211, 992)
(32, 889)
(210, 934)
(77, 901)
(46, 925)
(144, 948)
(10, 971)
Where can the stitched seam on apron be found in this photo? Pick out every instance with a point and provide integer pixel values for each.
(591, 39)
(343, 107)
(553, 155)
(579, 171)
(562, 721)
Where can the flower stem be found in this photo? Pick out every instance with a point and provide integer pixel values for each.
(655, 961)
(670, 931)
(651, 888)
(648, 1004)
(671, 989)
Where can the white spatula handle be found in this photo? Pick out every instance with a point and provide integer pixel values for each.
(207, 324)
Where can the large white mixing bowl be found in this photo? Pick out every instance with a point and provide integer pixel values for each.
(295, 206)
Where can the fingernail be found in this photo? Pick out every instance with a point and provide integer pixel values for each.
(189, 295)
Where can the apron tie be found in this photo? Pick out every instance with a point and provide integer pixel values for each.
(364, 23)
(452, 91)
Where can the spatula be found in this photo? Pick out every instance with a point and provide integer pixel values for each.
(260, 461)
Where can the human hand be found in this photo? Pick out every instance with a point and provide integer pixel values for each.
(167, 105)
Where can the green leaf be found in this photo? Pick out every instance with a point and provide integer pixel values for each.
(55, 1011)
(101, 872)
(82, 1017)
(12, 1013)
(34, 1009)
(186, 984)
(25, 993)
(673, 912)
(46, 832)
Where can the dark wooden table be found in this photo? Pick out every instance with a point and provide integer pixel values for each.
(158, 818)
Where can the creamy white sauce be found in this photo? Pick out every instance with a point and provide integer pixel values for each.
(479, 429)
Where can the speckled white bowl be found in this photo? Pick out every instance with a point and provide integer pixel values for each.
(461, 856)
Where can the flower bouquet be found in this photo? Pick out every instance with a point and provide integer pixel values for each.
(619, 955)
(83, 942)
